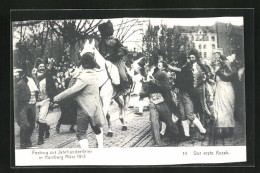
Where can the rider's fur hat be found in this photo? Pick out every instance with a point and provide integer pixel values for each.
(106, 29)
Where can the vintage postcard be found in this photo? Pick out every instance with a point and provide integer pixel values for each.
(128, 90)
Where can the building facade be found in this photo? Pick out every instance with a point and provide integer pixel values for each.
(224, 38)
(205, 41)
(231, 39)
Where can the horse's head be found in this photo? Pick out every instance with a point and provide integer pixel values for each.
(89, 47)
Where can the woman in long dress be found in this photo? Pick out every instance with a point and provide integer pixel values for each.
(224, 100)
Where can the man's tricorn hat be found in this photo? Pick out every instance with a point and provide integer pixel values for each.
(106, 29)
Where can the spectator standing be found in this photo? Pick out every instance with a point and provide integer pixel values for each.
(224, 100)
(185, 84)
(44, 78)
(25, 99)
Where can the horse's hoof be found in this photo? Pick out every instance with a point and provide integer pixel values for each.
(124, 128)
(110, 134)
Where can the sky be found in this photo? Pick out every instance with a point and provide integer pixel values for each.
(170, 22)
(191, 21)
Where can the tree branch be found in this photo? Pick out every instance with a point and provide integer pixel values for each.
(78, 25)
(121, 31)
(131, 34)
(84, 25)
(119, 27)
(125, 33)
(94, 27)
(26, 23)
(127, 21)
(55, 30)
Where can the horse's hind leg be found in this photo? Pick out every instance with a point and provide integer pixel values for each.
(122, 112)
(126, 99)
(106, 105)
(110, 132)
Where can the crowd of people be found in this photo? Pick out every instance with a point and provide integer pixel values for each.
(179, 95)
(202, 95)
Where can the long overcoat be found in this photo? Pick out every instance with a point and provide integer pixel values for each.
(86, 91)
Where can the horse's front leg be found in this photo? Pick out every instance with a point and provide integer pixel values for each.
(110, 131)
(122, 112)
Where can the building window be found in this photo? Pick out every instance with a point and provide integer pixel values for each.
(213, 38)
(192, 37)
(213, 46)
(205, 46)
(205, 54)
(199, 46)
(200, 54)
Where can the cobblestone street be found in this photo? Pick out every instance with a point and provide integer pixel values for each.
(138, 134)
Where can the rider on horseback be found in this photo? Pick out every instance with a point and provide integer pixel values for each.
(113, 50)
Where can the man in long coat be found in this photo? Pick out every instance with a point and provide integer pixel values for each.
(25, 98)
(89, 110)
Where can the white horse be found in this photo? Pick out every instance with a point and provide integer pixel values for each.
(108, 91)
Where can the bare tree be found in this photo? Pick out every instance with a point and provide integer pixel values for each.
(74, 31)
(127, 28)
(26, 23)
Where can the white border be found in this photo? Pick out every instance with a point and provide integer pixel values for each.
(131, 156)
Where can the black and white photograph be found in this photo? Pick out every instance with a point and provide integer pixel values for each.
(123, 86)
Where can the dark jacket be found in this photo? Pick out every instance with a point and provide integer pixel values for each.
(184, 79)
(22, 94)
(110, 47)
(226, 73)
(50, 82)
(162, 86)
